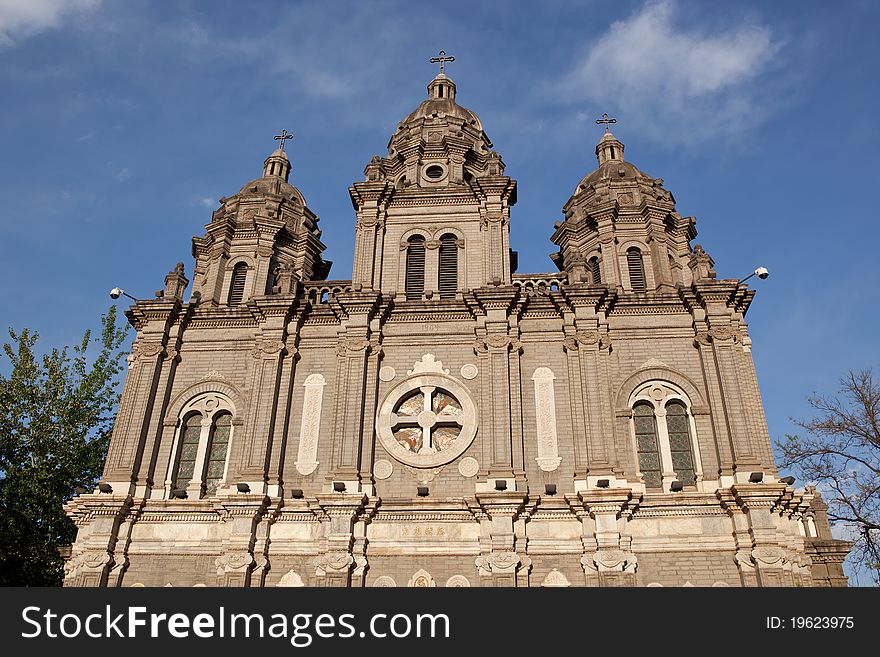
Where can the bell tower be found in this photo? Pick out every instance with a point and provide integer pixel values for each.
(260, 240)
(433, 214)
(621, 228)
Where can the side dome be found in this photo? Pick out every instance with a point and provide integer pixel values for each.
(617, 180)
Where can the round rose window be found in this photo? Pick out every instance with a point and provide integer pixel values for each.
(427, 420)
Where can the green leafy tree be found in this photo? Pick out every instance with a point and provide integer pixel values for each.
(56, 414)
(841, 453)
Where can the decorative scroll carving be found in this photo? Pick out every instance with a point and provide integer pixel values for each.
(702, 338)
(722, 333)
(235, 562)
(545, 417)
(336, 562)
(496, 341)
(497, 563)
(267, 348)
(351, 345)
(307, 456)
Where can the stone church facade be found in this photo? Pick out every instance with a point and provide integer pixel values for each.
(440, 420)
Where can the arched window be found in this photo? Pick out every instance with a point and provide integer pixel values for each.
(636, 269)
(678, 426)
(647, 445)
(218, 444)
(415, 267)
(448, 282)
(236, 285)
(201, 447)
(664, 435)
(595, 272)
(188, 451)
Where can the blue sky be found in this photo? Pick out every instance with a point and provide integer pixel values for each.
(123, 122)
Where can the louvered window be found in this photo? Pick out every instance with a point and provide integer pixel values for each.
(678, 426)
(415, 267)
(189, 448)
(236, 286)
(636, 270)
(647, 445)
(595, 272)
(219, 441)
(448, 282)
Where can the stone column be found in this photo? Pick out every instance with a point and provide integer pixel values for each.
(268, 353)
(352, 351)
(334, 565)
(236, 563)
(500, 562)
(613, 562)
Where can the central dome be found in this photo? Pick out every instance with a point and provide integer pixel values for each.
(439, 117)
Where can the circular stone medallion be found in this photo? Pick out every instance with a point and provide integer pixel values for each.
(469, 371)
(468, 466)
(386, 373)
(383, 469)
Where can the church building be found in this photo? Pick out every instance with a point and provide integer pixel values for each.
(440, 419)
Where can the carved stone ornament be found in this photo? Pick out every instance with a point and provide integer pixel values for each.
(722, 333)
(497, 563)
(457, 581)
(333, 562)
(310, 427)
(384, 581)
(387, 373)
(496, 341)
(213, 374)
(421, 579)
(382, 469)
(702, 338)
(614, 560)
(768, 556)
(744, 560)
(432, 244)
(468, 466)
(148, 349)
(291, 579)
(427, 364)
(233, 562)
(267, 348)
(555, 578)
(587, 337)
(469, 371)
(351, 345)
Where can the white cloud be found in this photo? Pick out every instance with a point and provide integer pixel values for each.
(123, 174)
(20, 19)
(670, 79)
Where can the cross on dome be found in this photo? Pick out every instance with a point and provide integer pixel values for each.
(283, 136)
(606, 121)
(442, 59)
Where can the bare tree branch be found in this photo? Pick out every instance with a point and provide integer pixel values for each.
(841, 455)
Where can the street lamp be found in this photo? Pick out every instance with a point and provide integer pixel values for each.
(760, 272)
(117, 292)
